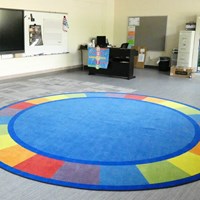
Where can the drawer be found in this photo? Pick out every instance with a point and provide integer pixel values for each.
(183, 64)
(184, 59)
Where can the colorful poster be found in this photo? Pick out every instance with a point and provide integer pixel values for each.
(131, 35)
(98, 57)
(65, 24)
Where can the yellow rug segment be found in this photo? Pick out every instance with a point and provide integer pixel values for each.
(3, 129)
(6, 141)
(37, 101)
(14, 155)
(181, 107)
(154, 100)
(188, 162)
(65, 96)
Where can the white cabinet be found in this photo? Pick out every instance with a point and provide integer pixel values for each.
(185, 48)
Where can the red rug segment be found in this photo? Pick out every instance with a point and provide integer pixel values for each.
(41, 166)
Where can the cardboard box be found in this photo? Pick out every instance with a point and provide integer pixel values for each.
(181, 72)
(140, 59)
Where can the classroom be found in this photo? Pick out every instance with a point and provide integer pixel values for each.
(48, 83)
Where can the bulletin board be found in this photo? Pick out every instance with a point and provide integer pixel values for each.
(148, 31)
(45, 32)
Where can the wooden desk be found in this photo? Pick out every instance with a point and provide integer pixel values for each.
(84, 58)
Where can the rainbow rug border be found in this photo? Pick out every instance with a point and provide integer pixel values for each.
(177, 170)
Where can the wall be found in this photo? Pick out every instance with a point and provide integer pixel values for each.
(87, 19)
(196, 52)
(178, 12)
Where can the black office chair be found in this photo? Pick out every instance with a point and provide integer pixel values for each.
(124, 46)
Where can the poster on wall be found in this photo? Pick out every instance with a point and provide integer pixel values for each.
(65, 23)
(133, 21)
(131, 36)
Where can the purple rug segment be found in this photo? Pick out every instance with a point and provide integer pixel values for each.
(9, 112)
(78, 173)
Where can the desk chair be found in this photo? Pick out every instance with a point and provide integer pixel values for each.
(124, 46)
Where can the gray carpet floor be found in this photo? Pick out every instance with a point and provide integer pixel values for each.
(148, 81)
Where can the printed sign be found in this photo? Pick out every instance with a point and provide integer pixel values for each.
(98, 57)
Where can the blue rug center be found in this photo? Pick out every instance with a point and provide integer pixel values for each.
(104, 130)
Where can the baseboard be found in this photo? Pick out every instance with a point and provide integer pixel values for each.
(42, 72)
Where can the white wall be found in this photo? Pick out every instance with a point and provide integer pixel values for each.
(89, 18)
(178, 12)
(86, 18)
(196, 45)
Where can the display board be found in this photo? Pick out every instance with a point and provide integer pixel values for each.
(45, 32)
(148, 31)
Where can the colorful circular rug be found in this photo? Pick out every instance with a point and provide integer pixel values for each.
(101, 141)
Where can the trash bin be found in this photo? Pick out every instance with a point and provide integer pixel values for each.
(174, 57)
(164, 64)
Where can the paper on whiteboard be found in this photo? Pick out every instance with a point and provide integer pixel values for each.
(52, 32)
(35, 35)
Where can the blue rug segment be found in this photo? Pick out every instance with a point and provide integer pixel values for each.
(102, 130)
(4, 120)
(116, 176)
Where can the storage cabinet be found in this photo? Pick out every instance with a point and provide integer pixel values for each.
(185, 48)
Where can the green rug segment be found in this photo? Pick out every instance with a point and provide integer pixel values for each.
(154, 172)
(3, 129)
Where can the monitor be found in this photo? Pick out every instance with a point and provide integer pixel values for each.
(11, 31)
(101, 41)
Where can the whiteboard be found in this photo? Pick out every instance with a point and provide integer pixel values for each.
(45, 32)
